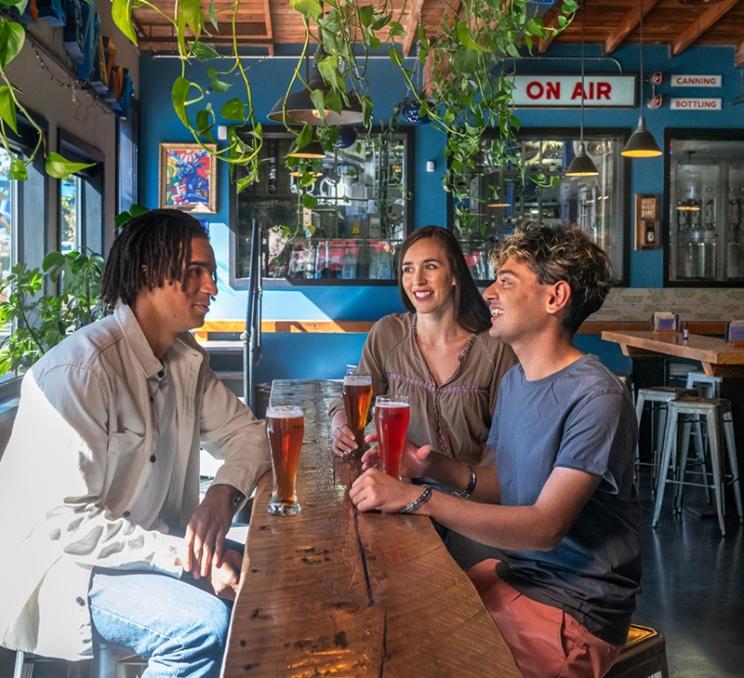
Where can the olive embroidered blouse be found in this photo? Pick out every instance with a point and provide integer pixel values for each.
(455, 416)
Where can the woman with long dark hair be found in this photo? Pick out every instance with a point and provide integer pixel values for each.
(439, 354)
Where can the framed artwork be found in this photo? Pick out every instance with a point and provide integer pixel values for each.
(188, 177)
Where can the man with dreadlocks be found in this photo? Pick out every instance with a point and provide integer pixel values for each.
(103, 532)
(558, 498)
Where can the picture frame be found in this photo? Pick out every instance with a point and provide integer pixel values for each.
(188, 177)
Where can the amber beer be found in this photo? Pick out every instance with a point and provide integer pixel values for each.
(285, 426)
(357, 399)
(392, 414)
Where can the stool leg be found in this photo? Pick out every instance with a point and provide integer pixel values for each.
(639, 414)
(658, 446)
(712, 419)
(105, 659)
(681, 472)
(702, 459)
(670, 438)
(19, 669)
(728, 432)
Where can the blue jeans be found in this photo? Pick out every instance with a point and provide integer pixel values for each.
(181, 628)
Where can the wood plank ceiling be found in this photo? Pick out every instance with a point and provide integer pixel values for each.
(269, 23)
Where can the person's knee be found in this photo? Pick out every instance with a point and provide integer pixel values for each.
(213, 627)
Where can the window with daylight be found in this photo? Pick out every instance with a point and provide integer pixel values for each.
(498, 199)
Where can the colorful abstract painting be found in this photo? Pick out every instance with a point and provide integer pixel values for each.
(187, 177)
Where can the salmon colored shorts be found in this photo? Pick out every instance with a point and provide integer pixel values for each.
(545, 641)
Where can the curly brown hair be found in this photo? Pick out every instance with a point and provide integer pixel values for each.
(563, 253)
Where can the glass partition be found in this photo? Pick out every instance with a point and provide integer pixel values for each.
(500, 198)
(349, 228)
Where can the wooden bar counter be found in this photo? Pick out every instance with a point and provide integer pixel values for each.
(333, 592)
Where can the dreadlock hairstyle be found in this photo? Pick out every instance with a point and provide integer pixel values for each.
(471, 312)
(563, 253)
(149, 250)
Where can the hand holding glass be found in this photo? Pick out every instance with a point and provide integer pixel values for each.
(285, 427)
(357, 399)
(392, 414)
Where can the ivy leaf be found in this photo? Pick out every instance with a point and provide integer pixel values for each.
(397, 30)
(20, 5)
(122, 218)
(233, 110)
(179, 92)
(366, 15)
(318, 98)
(18, 170)
(374, 42)
(189, 11)
(59, 167)
(308, 8)
(12, 37)
(304, 137)
(328, 68)
(465, 39)
(333, 101)
(121, 13)
(213, 16)
(309, 201)
(395, 57)
(202, 51)
(8, 108)
(215, 84)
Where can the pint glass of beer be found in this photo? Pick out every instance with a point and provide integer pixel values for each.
(285, 426)
(357, 399)
(391, 421)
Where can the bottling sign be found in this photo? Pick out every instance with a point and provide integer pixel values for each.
(695, 104)
(696, 80)
(552, 91)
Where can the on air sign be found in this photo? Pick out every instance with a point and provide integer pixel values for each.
(551, 91)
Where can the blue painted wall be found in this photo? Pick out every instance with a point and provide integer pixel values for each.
(308, 356)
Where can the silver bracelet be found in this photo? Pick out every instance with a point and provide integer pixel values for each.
(422, 499)
(471, 485)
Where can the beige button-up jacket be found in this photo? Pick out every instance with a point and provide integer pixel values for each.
(77, 459)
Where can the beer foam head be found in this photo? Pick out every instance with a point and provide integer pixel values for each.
(391, 401)
(357, 380)
(283, 411)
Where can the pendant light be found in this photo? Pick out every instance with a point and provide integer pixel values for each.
(641, 143)
(312, 151)
(582, 165)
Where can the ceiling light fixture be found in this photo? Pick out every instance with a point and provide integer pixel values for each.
(641, 143)
(312, 151)
(582, 165)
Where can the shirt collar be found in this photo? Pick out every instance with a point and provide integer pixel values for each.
(137, 340)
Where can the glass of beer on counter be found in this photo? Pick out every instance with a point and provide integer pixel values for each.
(392, 413)
(285, 426)
(357, 399)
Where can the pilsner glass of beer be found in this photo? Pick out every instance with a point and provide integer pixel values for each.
(285, 426)
(357, 399)
(391, 421)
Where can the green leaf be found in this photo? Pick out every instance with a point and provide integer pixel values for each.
(366, 15)
(179, 92)
(122, 218)
(304, 137)
(397, 30)
(328, 68)
(395, 56)
(12, 37)
(333, 101)
(8, 108)
(202, 51)
(189, 11)
(374, 42)
(309, 201)
(18, 170)
(59, 167)
(121, 13)
(213, 16)
(308, 8)
(53, 262)
(465, 39)
(233, 110)
(318, 98)
(215, 84)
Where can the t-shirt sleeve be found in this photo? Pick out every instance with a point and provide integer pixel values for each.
(597, 437)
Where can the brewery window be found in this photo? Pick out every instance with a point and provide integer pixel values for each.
(706, 209)
(495, 197)
(348, 230)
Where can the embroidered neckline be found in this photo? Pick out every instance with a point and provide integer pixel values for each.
(465, 349)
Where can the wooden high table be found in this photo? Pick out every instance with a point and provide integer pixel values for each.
(335, 592)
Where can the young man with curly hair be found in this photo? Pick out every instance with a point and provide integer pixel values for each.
(559, 501)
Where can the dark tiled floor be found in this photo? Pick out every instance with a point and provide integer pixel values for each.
(693, 591)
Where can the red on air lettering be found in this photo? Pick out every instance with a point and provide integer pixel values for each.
(536, 90)
(593, 91)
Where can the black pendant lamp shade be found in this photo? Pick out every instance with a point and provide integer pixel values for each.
(301, 109)
(581, 165)
(641, 143)
(312, 151)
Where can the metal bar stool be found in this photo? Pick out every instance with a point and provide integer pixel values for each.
(106, 662)
(659, 398)
(706, 385)
(713, 412)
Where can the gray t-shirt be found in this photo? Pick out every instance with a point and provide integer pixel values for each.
(580, 417)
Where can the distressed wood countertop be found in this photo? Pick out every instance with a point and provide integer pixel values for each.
(331, 592)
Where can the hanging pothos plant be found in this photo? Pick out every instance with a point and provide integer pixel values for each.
(12, 39)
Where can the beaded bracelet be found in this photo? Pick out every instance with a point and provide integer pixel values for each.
(471, 485)
(422, 499)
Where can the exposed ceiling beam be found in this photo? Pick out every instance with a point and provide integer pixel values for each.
(550, 20)
(269, 25)
(410, 25)
(739, 56)
(700, 25)
(629, 22)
